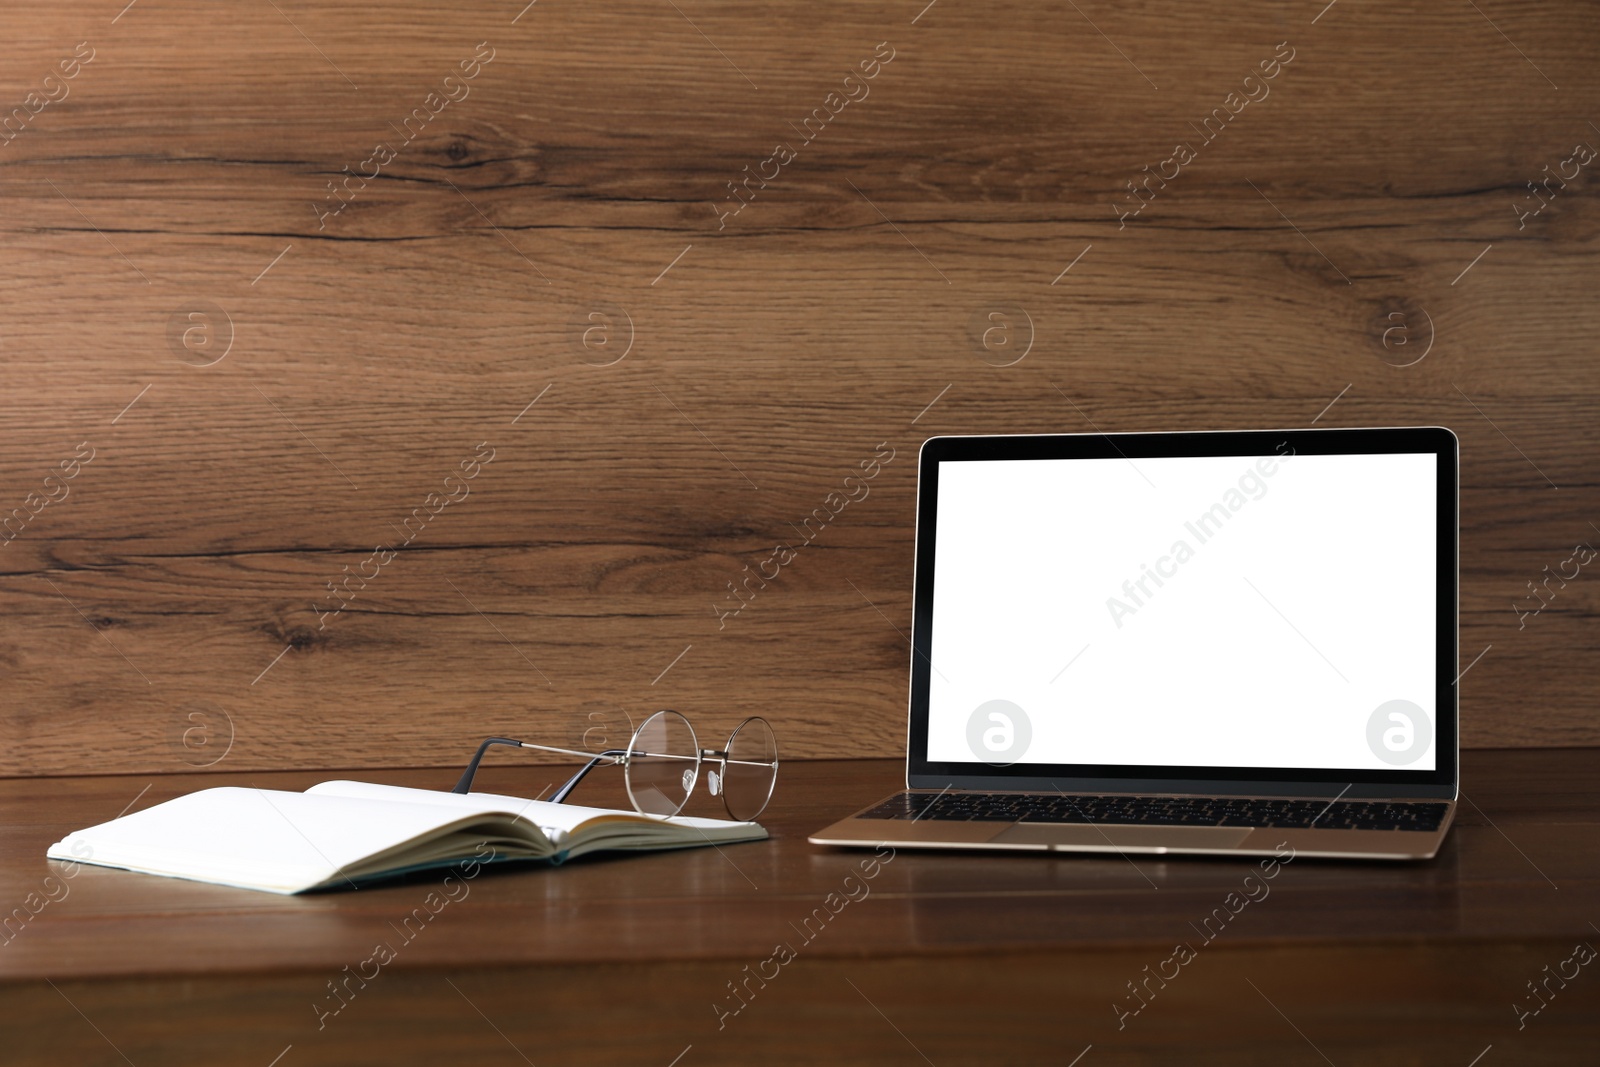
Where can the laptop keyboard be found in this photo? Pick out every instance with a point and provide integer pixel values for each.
(1423, 817)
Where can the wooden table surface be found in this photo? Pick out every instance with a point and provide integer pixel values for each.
(955, 958)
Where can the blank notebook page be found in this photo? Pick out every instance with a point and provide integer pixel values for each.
(557, 820)
(259, 837)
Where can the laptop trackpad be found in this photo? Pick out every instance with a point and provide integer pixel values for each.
(1140, 838)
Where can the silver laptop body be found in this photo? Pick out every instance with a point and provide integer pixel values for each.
(1210, 643)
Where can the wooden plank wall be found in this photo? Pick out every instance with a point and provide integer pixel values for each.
(270, 388)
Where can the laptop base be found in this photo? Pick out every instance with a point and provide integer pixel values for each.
(1119, 838)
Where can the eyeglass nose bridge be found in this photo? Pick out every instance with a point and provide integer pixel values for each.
(715, 761)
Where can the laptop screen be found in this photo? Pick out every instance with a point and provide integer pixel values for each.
(1275, 609)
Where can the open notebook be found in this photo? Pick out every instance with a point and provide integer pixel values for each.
(341, 833)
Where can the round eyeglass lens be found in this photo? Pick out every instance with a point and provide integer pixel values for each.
(663, 763)
(752, 769)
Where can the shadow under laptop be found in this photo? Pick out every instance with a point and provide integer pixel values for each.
(973, 898)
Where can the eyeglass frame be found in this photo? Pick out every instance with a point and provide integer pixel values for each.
(620, 758)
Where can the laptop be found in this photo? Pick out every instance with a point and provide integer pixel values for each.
(1211, 643)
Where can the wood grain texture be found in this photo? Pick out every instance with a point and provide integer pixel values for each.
(974, 959)
(572, 197)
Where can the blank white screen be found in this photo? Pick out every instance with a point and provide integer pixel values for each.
(1306, 602)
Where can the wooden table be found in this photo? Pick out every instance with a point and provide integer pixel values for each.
(948, 959)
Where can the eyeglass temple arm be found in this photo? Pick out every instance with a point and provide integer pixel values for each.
(465, 784)
(608, 756)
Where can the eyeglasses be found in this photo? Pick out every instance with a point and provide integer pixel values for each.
(662, 763)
